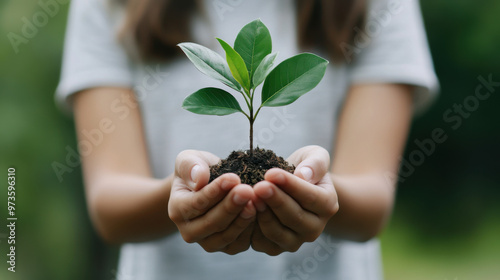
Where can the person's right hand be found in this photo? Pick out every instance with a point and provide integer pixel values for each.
(219, 216)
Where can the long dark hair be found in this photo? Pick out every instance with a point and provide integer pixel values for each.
(157, 26)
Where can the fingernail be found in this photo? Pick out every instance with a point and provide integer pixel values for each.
(194, 176)
(239, 200)
(307, 173)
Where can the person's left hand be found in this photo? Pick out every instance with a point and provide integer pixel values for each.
(294, 208)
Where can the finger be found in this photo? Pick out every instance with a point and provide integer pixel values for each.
(224, 239)
(259, 203)
(312, 163)
(286, 209)
(249, 211)
(275, 231)
(242, 243)
(194, 167)
(320, 199)
(261, 244)
(185, 204)
(219, 217)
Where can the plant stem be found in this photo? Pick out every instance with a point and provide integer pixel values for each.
(251, 119)
(251, 132)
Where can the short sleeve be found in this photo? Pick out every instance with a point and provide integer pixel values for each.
(393, 48)
(93, 56)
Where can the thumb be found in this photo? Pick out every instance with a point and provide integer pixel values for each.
(312, 163)
(193, 167)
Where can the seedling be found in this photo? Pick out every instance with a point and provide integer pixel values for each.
(248, 64)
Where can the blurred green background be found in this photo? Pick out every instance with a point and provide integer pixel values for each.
(446, 223)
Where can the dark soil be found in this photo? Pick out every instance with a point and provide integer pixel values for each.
(250, 168)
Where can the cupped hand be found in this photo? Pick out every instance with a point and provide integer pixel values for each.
(219, 216)
(294, 208)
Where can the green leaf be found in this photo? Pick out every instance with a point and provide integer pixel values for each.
(236, 65)
(253, 43)
(292, 78)
(263, 70)
(211, 101)
(209, 63)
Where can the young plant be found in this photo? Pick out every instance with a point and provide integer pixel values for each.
(249, 64)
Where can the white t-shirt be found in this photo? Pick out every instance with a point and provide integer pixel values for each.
(392, 49)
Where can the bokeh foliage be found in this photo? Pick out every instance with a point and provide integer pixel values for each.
(446, 212)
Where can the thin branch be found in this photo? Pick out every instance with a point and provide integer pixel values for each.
(256, 113)
(246, 99)
(246, 115)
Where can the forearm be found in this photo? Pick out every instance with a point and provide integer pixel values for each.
(124, 202)
(365, 204)
(130, 208)
(372, 132)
